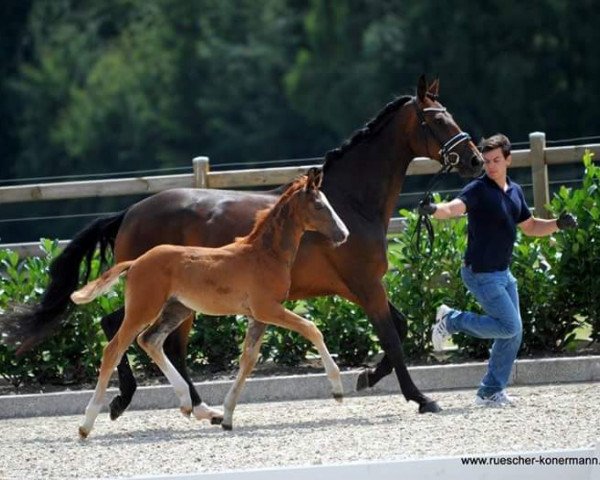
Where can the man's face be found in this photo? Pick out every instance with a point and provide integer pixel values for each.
(495, 164)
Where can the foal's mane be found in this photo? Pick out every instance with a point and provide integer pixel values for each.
(367, 132)
(262, 216)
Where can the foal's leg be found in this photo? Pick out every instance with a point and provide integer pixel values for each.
(287, 319)
(152, 341)
(248, 359)
(110, 358)
(175, 347)
(127, 384)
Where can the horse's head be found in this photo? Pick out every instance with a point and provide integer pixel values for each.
(317, 213)
(436, 134)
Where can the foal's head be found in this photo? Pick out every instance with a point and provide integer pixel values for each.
(314, 210)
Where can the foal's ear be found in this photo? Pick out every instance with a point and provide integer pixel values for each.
(422, 88)
(315, 177)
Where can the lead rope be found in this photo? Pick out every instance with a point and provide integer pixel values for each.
(424, 221)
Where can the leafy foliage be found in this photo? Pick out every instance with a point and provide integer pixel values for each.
(577, 255)
(72, 356)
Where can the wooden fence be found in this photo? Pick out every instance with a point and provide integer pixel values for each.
(538, 157)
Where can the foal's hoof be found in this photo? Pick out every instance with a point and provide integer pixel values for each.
(186, 411)
(226, 427)
(362, 381)
(430, 406)
(116, 407)
(338, 397)
(217, 421)
(83, 433)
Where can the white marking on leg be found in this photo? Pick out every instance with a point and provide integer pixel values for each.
(204, 412)
(333, 372)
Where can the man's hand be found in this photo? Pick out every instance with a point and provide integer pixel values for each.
(426, 207)
(566, 221)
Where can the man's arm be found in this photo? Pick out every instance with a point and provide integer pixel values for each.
(444, 210)
(539, 227)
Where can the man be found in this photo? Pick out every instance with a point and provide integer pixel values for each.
(494, 205)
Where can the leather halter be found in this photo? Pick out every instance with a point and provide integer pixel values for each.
(450, 159)
(449, 156)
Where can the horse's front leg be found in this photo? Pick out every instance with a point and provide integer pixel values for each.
(373, 300)
(369, 376)
(248, 359)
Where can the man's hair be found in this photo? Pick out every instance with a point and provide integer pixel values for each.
(495, 141)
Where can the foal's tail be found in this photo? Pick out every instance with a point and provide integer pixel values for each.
(101, 285)
(27, 325)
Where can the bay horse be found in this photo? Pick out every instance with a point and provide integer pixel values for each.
(362, 179)
(251, 276)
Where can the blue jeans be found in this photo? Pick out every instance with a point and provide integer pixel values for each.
(497, 293)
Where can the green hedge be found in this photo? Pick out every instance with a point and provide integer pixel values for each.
(559, 284)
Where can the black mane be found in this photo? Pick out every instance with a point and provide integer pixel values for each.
(367, 131)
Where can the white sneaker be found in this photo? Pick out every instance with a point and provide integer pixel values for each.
(498, 399)
(439, 332)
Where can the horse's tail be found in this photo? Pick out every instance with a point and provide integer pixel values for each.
(101, 285)
(26, 326)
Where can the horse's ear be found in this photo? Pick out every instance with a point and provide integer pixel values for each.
(434, 88)
(422, 88)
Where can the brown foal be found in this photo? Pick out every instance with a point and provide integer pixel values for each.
(248, 277)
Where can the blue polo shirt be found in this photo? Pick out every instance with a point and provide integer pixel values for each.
(493, 216)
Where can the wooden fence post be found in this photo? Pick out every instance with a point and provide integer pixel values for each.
(539, 174)
(201, 168)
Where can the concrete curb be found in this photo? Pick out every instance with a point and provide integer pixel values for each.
(301, 387)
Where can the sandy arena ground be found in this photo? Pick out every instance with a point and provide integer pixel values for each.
(299, 433)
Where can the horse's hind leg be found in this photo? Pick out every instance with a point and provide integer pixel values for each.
(127, 384)
(152, 340)
(370, 376)
(250, 352)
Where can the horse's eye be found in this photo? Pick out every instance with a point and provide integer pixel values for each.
(319, 205)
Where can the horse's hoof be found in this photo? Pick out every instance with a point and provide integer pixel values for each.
(226, 427)
(217, 421)
(116, 408)
(338, 397)
(362, 381)
(430, 407)
(83, 433)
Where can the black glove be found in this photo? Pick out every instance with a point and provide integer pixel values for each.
(566, 221)
(426, 207)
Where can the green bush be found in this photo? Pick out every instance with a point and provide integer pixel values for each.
(283, 346)
(347, 331)
(74, 354)
(578, 251)
(216, 340)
